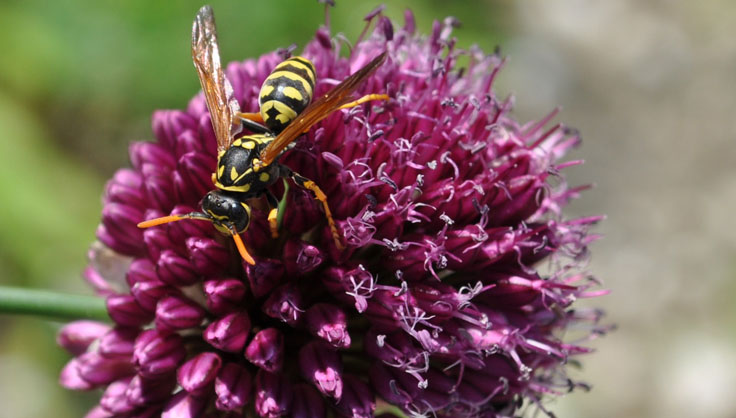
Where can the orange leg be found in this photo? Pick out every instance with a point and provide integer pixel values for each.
(273, 213)
(320, 195)
(255, 117)
(366, 98)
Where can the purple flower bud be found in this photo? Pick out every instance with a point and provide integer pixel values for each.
(118, 229)
(114, 400)
(76, 336)
(169, 124)
(142, 391)
(175, 270)
(358, 400)
(98, 370)
(184, 190)
(98, 412)
(118, 343)
(125, 187)
(301, 213)
(285, 303)
(329, 323)
(321, 365)
(207, 256)
(233, 387)
(159, 187)
(198, 373)
(157, 354)
(301, 257)
(157, 240)
(273, 393)
(197, 167)
(438, 299)
(125, 311)
(71, 379)
(307, 403)
(188, 141)
(224, 295)
(178, 312)
(184, 405)
(266, 350)
(229, 333)
(409, 23)
(142, 153)
(387, 27)
(148, 293)
(141, 270)
(264, 276)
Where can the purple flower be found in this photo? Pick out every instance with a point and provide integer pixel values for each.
(436, 306)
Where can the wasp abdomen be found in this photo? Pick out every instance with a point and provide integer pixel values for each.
(286, 92)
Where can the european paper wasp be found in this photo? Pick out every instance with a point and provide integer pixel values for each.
(247, 165)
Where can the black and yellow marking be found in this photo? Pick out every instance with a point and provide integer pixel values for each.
(235, 170)
(287, 91)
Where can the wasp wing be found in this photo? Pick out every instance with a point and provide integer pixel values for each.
(217, 89)
(318, 110)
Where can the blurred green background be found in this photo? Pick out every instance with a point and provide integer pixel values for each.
(651, 85)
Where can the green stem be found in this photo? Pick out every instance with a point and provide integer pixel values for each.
(385, 408)
(282, 206)
(55, 305)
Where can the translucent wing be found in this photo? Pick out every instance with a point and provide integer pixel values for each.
(319, 109)
(217, 89)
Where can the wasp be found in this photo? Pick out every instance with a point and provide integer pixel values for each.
(247, 165)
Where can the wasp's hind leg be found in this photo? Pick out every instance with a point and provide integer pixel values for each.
(305, 183)
(366, 98)
(273, 214)
(253, 122)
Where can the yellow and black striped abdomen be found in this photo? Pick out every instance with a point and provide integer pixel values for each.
(286, 92)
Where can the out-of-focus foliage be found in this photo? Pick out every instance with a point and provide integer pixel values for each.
(78, 82)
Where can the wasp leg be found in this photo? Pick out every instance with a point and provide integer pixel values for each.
(253, 122)
(255, 117)
(366, 98)
(305, 183)
(273, 214)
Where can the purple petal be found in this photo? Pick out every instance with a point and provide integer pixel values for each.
(229, 333)
(178, 312)
(273, 394)
(184, 405)
(321, 365)
(233, 387)
(329, 323)
(76, 336)
(224, 295)
(199, 372)
(156, 353)
(266, 350)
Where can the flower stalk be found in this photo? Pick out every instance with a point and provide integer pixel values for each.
(54, 305)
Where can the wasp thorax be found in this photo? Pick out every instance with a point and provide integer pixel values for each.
(226, 210)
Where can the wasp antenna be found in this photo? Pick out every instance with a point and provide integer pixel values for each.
(241, 248)
(173, 218)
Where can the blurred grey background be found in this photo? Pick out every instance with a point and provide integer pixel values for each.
(650, 84)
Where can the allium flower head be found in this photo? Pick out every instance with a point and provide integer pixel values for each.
(438, 305)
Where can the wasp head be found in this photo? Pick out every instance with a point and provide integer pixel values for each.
(226, 211)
